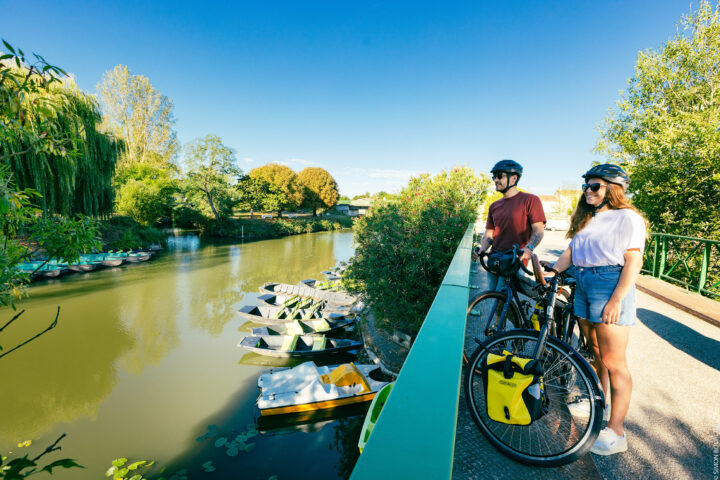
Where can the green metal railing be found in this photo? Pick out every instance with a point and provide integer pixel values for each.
(415, 434)
(691, 262)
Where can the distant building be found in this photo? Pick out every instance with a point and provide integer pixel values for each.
(560, 204)
(549, 203)
(357, 208)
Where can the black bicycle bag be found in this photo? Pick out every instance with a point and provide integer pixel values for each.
(504, 264)
(514, 389)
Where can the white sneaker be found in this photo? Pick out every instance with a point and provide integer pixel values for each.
(609, 442)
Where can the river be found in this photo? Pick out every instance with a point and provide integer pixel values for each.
(144, 364)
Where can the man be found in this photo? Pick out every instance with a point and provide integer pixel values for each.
(517, 218)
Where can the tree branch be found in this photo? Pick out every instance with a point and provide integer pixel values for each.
(11, 320)
(52, 447)
(50, 327)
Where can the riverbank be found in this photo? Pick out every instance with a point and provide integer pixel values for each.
(124, 233)
(274, 227)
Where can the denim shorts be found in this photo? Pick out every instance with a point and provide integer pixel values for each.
(595, 286)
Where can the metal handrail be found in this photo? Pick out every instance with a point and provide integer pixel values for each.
(688, 261)
(414, 436)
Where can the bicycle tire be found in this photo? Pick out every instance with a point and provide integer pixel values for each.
(574, 335)
(557, 438)
(477, 316)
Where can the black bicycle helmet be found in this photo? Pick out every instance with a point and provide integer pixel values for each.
(508, 166)
(610, 173)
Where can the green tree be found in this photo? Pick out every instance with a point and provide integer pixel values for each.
(665, 129)
(405, 244)
(212, 172)
(145, 193)
(321, 190)
(285, 180)
(21, 81)
(140, 115)
(257, 194)
(49, 138)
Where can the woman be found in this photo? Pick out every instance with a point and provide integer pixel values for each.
(608, 238)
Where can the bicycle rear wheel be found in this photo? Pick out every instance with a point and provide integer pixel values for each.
(574, 417)
(484, 306)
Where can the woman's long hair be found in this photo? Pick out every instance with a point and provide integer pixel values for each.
(615, 199)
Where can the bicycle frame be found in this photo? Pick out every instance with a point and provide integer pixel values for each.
(510, 292)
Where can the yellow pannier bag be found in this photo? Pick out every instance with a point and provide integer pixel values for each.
(514, 389)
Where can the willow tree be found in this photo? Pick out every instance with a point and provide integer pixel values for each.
(73, 171)
(321, 189)
(285, 180)
(136, 112)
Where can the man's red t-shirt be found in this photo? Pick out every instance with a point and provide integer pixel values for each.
(510, 219)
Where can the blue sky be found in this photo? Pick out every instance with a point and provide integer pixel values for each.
(371, 91)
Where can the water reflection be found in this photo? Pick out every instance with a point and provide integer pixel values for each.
(143, 353)
(181, 243)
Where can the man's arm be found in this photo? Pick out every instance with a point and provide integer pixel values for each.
(486, 240)
(538, 231)
(484, 244)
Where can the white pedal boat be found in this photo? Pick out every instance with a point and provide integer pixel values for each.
(308, 387)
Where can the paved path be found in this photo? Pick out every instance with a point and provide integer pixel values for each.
(673, 425)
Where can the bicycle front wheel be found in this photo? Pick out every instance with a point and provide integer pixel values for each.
(574, 411)
(487, 306)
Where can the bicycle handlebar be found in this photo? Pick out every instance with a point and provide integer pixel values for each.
(516, 251)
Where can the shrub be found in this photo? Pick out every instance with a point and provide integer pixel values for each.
(405, 244)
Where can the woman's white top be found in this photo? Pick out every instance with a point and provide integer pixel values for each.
(606, 238)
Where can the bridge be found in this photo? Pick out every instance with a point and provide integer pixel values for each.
(673, 425)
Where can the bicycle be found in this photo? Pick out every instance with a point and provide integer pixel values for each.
(489, 312)
(560, 434)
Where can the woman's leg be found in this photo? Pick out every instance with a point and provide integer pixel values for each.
(589, 331)
(612, 341)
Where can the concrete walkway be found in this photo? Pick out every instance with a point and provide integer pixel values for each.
(673, 425)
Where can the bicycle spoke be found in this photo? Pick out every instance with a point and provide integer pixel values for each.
(558, 436)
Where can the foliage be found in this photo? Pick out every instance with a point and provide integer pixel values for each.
(50, 140)
(211, 173)
(120, 470)
(321, 190)
(235, 228)
(54, 236)
(23, 467)
(286, 181)
(257, 194)
(404, 245)
(19, 80)
(145, 193)
(140, 115)
(665, 129)
(124, 233)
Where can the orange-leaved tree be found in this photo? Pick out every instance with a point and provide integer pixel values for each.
(321, 189)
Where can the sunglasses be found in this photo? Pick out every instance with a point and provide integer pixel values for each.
(594, 187)
(498, 175)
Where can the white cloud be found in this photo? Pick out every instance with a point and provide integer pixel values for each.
(248, 160)
(298, 163)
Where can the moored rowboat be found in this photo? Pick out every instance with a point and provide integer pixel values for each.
(297, 346)
(306, 291)
(275, 315)
(304, 327)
